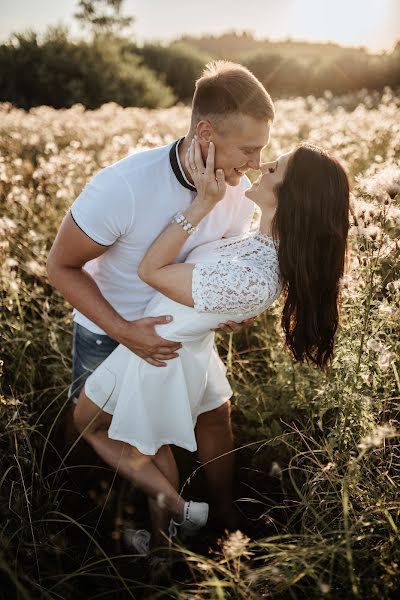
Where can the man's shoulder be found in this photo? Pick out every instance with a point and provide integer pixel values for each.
(137, 163)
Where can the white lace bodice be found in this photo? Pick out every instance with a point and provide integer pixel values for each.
(237, 275)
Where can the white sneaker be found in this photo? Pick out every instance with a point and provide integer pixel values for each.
(137, 540)
(195, 517)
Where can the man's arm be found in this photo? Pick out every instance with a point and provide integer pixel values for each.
(71, 250)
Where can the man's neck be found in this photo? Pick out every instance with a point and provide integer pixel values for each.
(182, 150)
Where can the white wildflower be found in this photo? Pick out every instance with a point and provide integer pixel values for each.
(236, 545)
(385, 359)
(394, 286)
(35, 268)
(10, 263)
(275, 470)
(13, 284)
(7, 226)
(40, 199)
(328, 467)
(375, 345)
(372, 232)
(377, 436)
(324, 588)
(391, 311)
(387, 179)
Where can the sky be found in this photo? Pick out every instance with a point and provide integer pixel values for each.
(374, 24)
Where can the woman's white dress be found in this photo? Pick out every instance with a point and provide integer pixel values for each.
(233, 279)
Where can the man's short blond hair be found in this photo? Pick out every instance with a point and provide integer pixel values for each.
(225, 89)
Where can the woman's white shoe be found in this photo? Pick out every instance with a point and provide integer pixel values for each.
(195, 517)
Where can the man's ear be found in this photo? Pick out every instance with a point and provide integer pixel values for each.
(204, 132)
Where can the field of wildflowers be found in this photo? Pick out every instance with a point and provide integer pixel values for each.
(318, 455)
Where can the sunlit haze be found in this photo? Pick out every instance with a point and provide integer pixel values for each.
(374, 24)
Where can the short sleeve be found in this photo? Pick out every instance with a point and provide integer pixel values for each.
(243, 214)
(224, 287)
(105, 208)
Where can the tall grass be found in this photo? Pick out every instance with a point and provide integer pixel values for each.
(317, 455)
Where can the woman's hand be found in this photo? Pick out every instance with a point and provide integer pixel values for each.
(233, 326)
(210, 185)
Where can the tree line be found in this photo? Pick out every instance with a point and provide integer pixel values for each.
(109, 65)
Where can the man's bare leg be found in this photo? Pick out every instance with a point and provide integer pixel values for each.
(214, 438)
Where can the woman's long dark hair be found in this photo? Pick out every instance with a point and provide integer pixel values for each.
(312, 222)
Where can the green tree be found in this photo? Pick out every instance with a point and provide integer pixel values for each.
(59, 72)
(103, 16)
(178, 64)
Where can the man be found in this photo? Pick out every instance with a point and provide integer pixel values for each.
(96, 253)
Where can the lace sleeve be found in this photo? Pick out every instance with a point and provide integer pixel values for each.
(225, 287)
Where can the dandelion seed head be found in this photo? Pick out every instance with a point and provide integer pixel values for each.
(10, 263)
(372, 232)
(385, 181)
(13, 285)
(7, 226)
(35, 268)
(377, 436)
(204, 567)
(389, 311)
(394, 286)
(235, 545)
(375, 345)
(324, 588)
(329, 466)
(275, 470)
(385, 359)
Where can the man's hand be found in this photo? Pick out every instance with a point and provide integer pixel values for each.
(232, 326)
(139, 336)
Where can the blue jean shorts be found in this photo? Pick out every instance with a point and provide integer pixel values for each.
(88, 352)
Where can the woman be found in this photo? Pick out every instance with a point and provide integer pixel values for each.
(300, 249)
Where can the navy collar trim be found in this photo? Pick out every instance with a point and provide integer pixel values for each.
(173, 158)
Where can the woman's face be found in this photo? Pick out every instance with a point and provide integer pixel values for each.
(272, 174)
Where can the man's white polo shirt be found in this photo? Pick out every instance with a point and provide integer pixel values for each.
(126, 206)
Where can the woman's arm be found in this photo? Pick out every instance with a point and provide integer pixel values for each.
(157, 268)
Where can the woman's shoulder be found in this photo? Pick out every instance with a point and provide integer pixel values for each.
(214, 248)
(266, 240)
(233, 248)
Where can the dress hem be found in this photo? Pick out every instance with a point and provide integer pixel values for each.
(146, 450)
(151, 452)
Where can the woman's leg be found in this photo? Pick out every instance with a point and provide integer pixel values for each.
(93, 424)
(165, 461)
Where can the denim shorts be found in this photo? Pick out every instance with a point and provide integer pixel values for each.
(88, 351)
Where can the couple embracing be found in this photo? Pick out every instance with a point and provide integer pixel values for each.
(157, 252)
